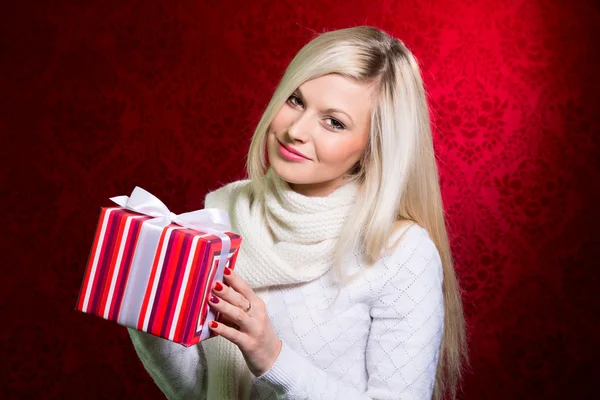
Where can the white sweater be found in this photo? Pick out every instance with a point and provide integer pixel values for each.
(378, 338)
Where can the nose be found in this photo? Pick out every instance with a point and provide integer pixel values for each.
(300, 128)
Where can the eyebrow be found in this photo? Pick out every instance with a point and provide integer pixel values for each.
(330, 110)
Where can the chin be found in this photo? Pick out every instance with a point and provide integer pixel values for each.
(304, 176)
(295, 174)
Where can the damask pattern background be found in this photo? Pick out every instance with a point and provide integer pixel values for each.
(101, 96)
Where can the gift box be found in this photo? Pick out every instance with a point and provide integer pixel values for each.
(152, 270)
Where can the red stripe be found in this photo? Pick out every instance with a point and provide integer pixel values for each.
(235, 244)
(144, 309)
(168, 272)
(103, 260)
(209, 270)
(113, 261)
(187, 289)
(87, 280)
(173, 296)
(157, 306)
(189, 317)
(154, 307)
(213, 272)
(128, 252)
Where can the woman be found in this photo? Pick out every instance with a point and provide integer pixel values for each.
(344, 286)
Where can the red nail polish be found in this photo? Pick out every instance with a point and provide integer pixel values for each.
(214, 299)
(218, 286)
(227, 271)
(213, 324)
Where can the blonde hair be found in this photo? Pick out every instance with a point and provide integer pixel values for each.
(397, 172)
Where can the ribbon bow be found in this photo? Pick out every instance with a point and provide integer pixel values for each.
(144, 202)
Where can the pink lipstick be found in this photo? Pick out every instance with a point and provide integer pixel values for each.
(290, 154)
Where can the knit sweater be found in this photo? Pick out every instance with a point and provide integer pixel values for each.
(377, 337)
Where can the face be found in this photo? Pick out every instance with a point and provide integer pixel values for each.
(320, 133)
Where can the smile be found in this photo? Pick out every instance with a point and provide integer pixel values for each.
(290, 154)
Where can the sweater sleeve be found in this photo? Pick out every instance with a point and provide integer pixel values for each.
(404, 340)
(179, 372)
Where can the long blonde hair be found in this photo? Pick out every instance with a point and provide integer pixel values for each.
(397, 172)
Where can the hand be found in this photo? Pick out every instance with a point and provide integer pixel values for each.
(255, 337)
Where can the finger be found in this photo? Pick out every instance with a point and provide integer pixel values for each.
(230, 295)
(235, 314)
(240, 285)
(223, 319)
(228, 333)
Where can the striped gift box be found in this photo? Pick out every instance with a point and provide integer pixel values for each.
(153, 278)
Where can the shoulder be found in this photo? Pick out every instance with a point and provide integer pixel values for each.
(223, 197)
(409, 237)
(411, 256)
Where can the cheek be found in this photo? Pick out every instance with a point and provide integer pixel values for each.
(271, 144)
(342, 151)
(282, 119)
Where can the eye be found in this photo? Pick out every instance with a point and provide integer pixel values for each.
(335, 124)
(295, 101)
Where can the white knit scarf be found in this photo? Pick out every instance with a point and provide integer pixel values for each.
(286, 238)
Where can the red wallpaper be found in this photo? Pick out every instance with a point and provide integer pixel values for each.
(100, 96)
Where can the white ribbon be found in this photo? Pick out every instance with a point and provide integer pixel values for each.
(212, 220)
(144, 202)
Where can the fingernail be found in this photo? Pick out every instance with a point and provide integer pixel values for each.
(218, 286)
(214, 299)
(227, 271)
(213, 324)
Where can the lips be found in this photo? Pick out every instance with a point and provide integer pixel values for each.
(292, 150)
